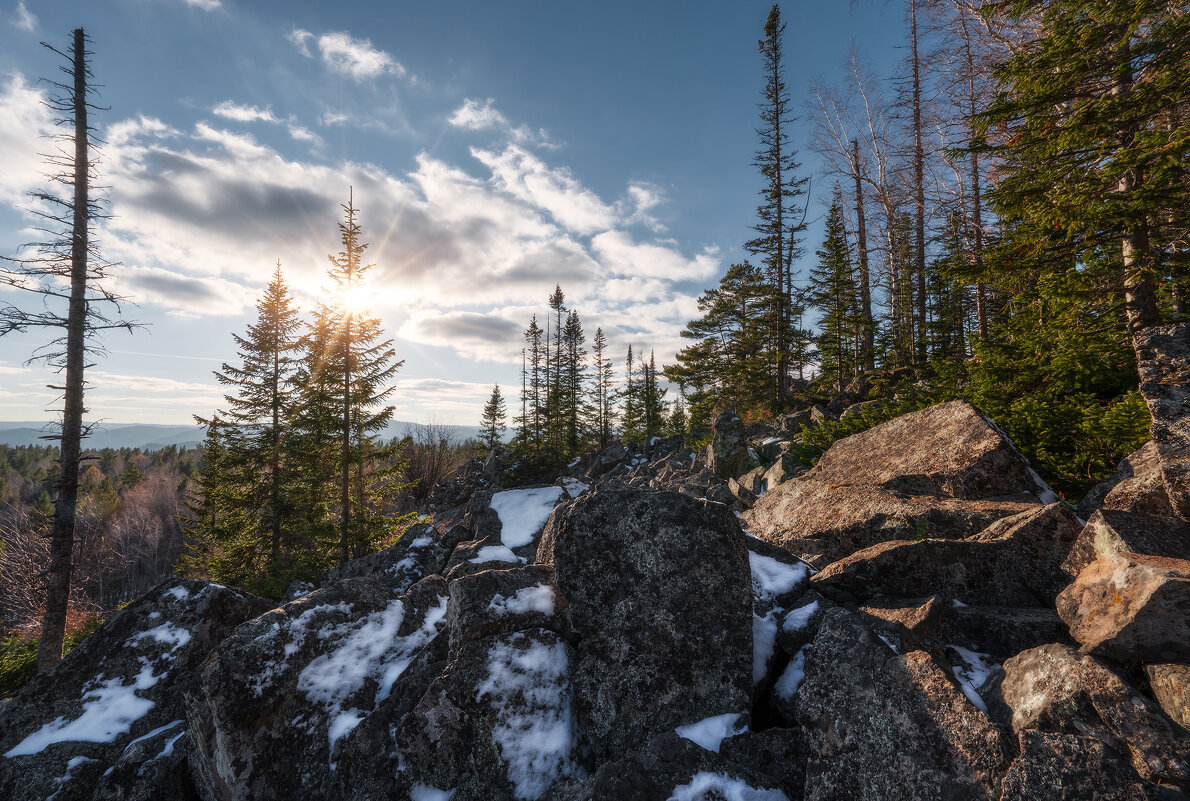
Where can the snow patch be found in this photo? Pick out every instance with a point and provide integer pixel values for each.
(153, 733)
(424, 792)
(167, 633)
(764, 642)
(60, 781)
(421, 542)
(523, 512)
(972, 673)
(530, 690)
(496, 553)
(710, 732)
(719, 785)
(889, 643)
(791, 679)
(799, 618)
(179, 593)
(771, 577)
(539, 598)
(574, 487)
(166, 751)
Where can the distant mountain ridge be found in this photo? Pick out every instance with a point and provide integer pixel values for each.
(153, 437)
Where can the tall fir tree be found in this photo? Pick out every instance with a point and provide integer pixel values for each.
(633, 418)
(492, 423)
(833, 293)
(605, 390)
(574, 403)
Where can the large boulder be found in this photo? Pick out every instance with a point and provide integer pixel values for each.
(661, 602)
(1109, 531)
(278, 697)
(1171, 687)
(1055, 689)
(1015, 562)
(113, 704)
(882, 726)
(727, 454)
(420, 552)
(943, 472)
(1131, 607)
(1163, 360)
(1068, 767)
(1136, 486)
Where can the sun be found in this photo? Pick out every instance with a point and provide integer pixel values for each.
(355, 300)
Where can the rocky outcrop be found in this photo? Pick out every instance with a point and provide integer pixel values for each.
(1171, 688)
(882, 725)
(1015, 562)
(1066, 767)
(642, 573)
(943, 472)
(1111, 532)
(1131, 607)
(108, 719)
(1055, 689)
(1163, 359)
(1136, 486)
(727, 454)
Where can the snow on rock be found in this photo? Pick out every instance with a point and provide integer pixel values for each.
(538, 598)
(799, 618)
(368, 648)
(528, 684)
(972, 670)
(71, 766)
(705, 785)
(421, 542)
(179, 593)
(424, 792)
(523, 512)
(496, 553)
(709, 732)
(574, 487)
(772, 578)
(764, 643)
(294, 632)
(173, 636)
(791, 679)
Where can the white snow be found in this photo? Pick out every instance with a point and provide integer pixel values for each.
(770, 441)
(709, 732)
(972, 673)
(179, 593)
(297, 629)
(753, 455)
(889, 643)
(171, 635)
(791, 679)
(574, 461)
(574, 487)
(1044, 493)
(719, 785)
(421, 542)
(771, 577)
(154, 733)
(424, 792)
(654, 440)
(764, 641)
(957, 604)
(530, 691)
(109, 710)
(539, 598)
(523, 512)
(75, 762)
(166, 751)
(368, 648)
(495, 553)
(799, 618)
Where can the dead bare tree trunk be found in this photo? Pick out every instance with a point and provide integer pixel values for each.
(868, 346)
(919, 192)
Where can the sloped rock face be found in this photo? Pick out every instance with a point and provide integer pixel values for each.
(1057, 690)
(1066, 767)
(111, 702)
(943, 472)
(1171, 688)
(1109, 532)
(1015, 562)
(1163, 360)
(727, 455)
(1136, 486)
(278, 696)
(660, 599)
(1131, 606)
(879, 725)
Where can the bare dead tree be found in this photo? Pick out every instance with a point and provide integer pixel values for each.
(66, 270)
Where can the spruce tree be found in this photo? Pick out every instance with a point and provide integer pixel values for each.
(633, 418)
(605, 390)
(492, 424)
(575, 406)
(833, 294)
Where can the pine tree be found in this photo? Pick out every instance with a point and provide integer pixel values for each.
(574, 404)
(530, 439)
(833, 294)
(605, 390)
(777, 232)
(633, 418)
(492, 423)
(652, 400)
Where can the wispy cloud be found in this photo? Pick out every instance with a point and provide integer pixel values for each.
(242, 113)
(476, 115)
(343, 53)
(23, 18)
(205, 5)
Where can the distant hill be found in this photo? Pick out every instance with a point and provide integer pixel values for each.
(148, 437)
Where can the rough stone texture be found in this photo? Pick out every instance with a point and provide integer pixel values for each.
(1136, 486)
(1056, 689)
(277, 696)
(1015, 562)
(498, 723)
(943, 472)
(1003, 631)
(727, 454)
(149, 770)
(1109, 531)
(501, 601)
(1163, 360)
(147, 651)
(656, 771)
(1131, 607)
(661, 599)
(1171, 688)
(419, 553)
(878, 725)
(1068, 767)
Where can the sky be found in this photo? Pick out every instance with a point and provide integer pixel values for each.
(493, 150)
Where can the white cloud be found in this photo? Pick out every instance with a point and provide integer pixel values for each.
(23, 126)
(205, 5)
(23, 18)
(242, 113)
(343, 53)
(476, 116)
(552, 189)
(622, 256)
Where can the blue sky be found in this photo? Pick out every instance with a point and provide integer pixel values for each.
(494, 149)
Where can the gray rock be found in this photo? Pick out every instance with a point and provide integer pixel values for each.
(65, 728)
(882, 726)
(1131, 607)
(1163, 360)
(150, 768)
(642, 572)
(503, 601)
(1136, 486)
(419, 553)
(1056, 689)
(1069, 767)
(727, 454)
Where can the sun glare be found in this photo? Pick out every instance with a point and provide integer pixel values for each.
(356, 300)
